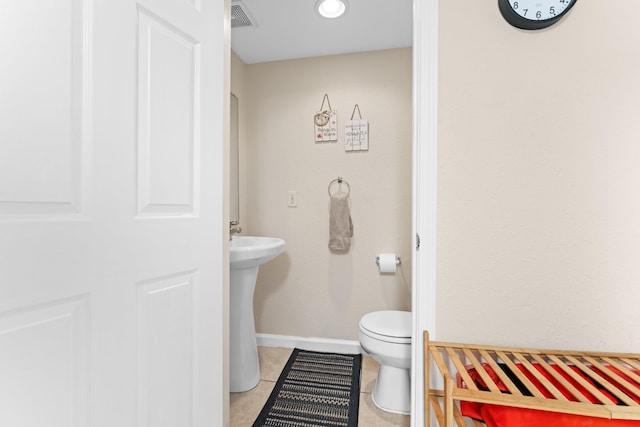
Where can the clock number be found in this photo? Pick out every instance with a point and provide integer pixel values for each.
(533, 14)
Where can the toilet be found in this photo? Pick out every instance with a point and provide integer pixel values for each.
(386, 337)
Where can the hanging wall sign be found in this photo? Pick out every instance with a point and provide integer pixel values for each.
(325, 123)
(356, 133)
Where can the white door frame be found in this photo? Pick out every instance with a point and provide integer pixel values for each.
(425, 143)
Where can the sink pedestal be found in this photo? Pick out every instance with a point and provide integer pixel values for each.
(244, 368)
(246, 255)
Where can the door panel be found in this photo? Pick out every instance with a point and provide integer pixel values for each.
(41, 149)
(165, 308)
(44, 359)
(168, 117)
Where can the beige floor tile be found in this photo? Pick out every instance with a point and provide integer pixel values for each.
(368, 375)
(246, 406)
(370, 415)
(272, 361)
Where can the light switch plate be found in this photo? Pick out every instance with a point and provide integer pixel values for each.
(292, 199)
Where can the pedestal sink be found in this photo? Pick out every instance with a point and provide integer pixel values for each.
(247, 254)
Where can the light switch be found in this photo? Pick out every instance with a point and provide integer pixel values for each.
(292, 199)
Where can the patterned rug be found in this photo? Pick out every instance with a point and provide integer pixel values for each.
(315, 389)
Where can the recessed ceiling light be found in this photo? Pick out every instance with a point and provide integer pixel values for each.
(331, 8)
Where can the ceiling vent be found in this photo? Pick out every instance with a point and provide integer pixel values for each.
(240, 16)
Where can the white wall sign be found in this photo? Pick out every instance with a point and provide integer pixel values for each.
(356, 133)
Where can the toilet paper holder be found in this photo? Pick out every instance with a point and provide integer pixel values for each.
(398, 260)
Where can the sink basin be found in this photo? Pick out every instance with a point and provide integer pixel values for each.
(252, 251)
(246, 255)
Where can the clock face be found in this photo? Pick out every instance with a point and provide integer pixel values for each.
(539, 10)
(534, 14)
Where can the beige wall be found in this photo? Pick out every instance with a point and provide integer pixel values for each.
(539, 178)
(310, 291)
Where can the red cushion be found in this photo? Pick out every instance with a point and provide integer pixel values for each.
(505, 416)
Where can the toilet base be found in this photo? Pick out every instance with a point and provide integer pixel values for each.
(392, 391)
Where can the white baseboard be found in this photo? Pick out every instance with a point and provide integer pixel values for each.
(312, 344)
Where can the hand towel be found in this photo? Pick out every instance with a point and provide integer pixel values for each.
(340, 225)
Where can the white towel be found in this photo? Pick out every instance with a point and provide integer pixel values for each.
(340, 225)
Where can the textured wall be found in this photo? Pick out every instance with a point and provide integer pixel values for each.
(539, 195)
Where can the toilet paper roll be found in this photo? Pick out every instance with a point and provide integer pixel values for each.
(387, 263)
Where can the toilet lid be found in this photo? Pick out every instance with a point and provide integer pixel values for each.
(393, 324)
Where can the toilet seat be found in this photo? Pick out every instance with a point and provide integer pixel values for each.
(389, 326)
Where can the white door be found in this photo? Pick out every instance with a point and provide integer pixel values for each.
(111, 236)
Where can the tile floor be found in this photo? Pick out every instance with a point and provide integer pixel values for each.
(246, 406)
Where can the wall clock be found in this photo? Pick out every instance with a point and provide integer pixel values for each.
(534, 14)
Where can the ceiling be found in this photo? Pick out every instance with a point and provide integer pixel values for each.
(289, 29)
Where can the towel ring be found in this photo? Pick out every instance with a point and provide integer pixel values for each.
(339, 180)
